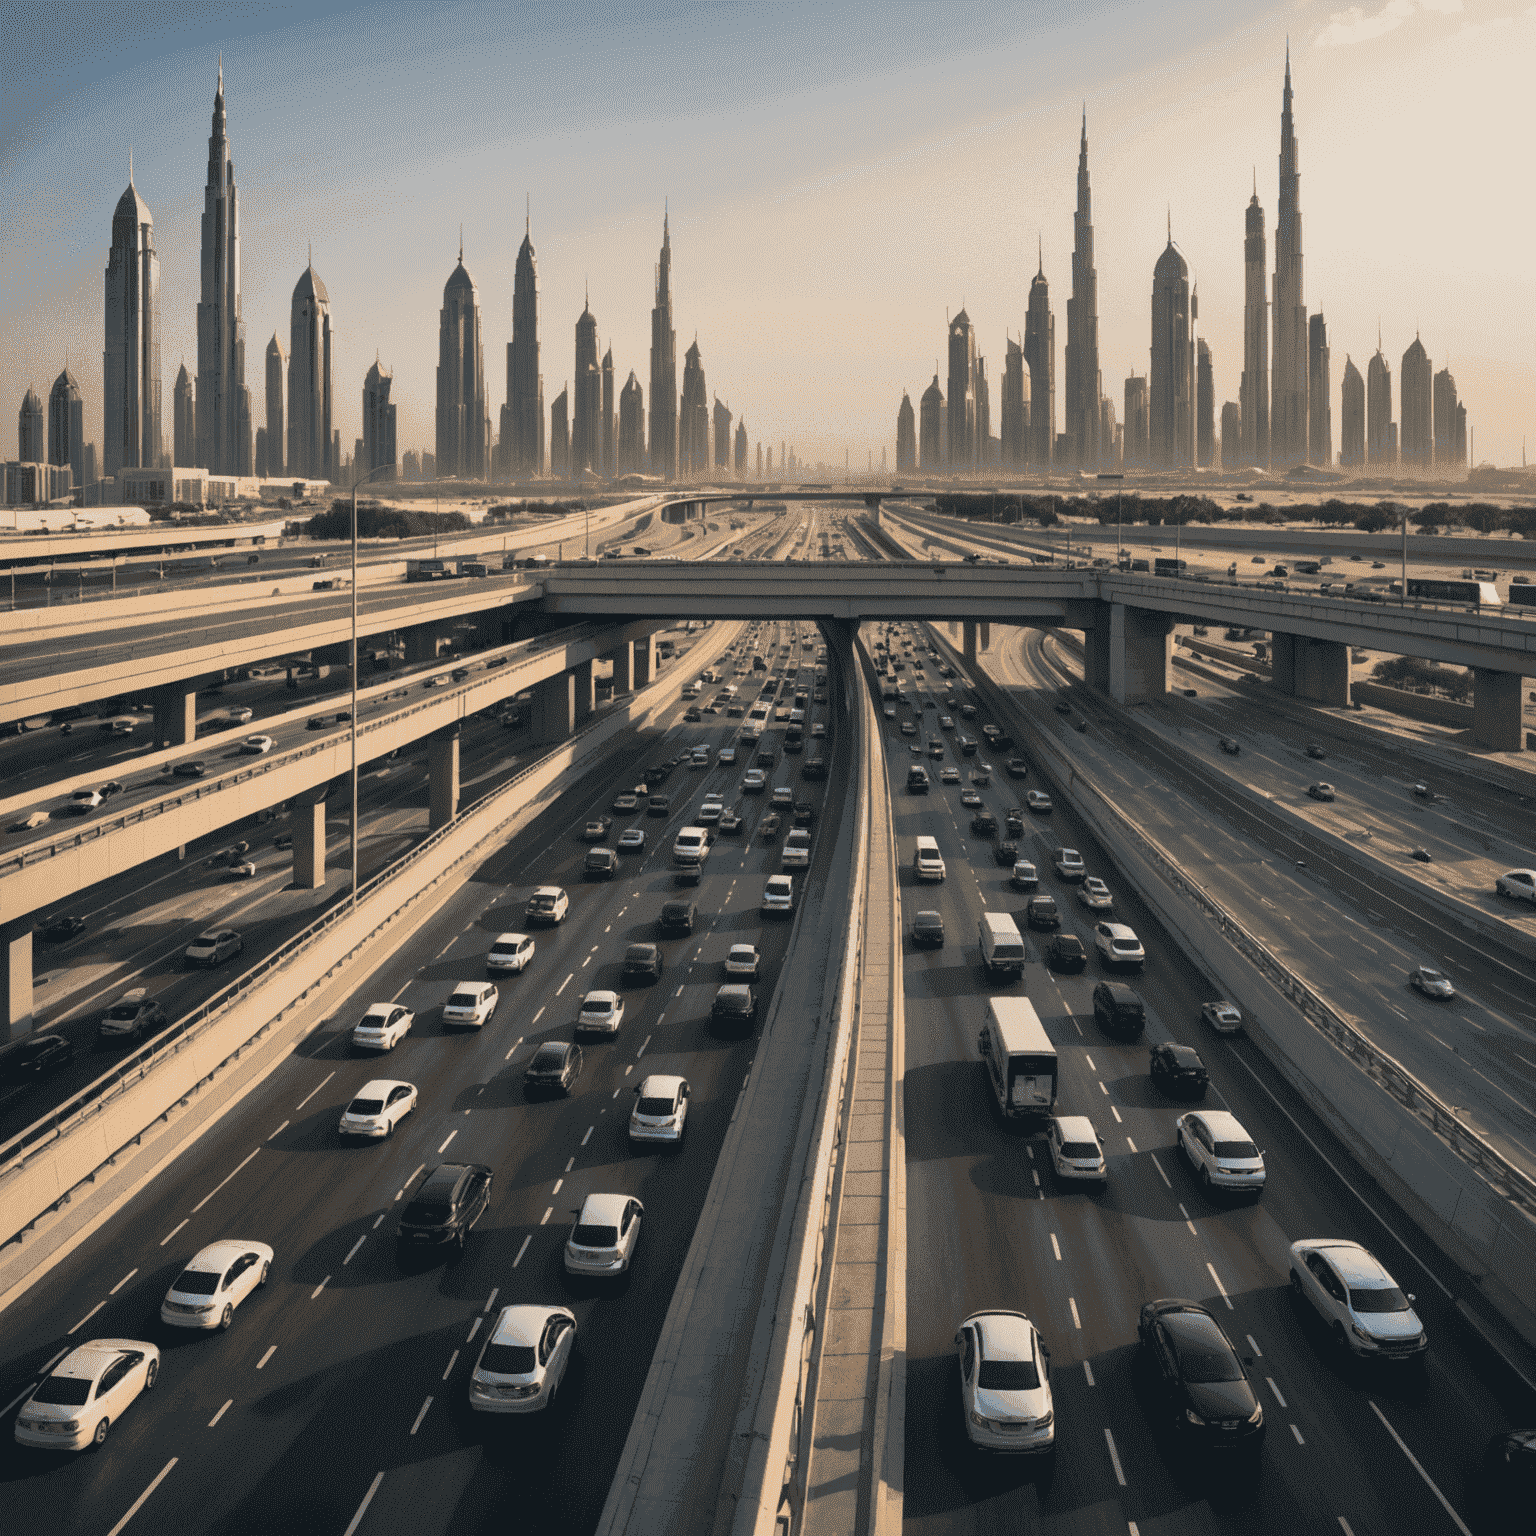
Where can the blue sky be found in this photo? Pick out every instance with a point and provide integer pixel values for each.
(840, 176)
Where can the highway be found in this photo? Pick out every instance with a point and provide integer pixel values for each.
(989, 1226)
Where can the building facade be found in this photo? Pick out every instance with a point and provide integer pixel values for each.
(184, 449)
(1136, 448)
(663, 438)
(608, 426)
(277, 429)
(961, 447)
(131, 359)
(522, 417)
(1288, 392)
(378, 440)
(31, 430)
(66, 426)
(1253, 391)
(741, 449)
(560, 437)
(1205, 407)
(1040, 359)
(587, 404)
(1013, 422)
(906, 436)
(1416, 418)
(930, 428)
(1319, 393)
(631, 426)
(720, 419)
(1380, 430)
(463, 420)
(1351, 416)
(1232, 452)
(1081, 360)
(311, 439)
(1450, 424)
(693, 423)
(1171, 390)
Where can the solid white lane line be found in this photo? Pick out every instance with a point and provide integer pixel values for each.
(1131, 1144)
(271, 1350)
(641, 1051)
(1417, 1467)
(420, 1416)
(452, 1361)
(444, 1147)
(564, 984)
(588, 1137)
(521, 1251)
(1297, 1433)
(313, 1091)
(220, 1414)
(362, 1509)
(124, 1281)
(490, 1301)
(222, 1182)
(138, 1503)
(314, 1293)
(1116, 1113)
(1159, 1167)
(1088, 1372)
(352, 1252)
(1114, 1457)
(474, 1328)
(1279, 1395)
(172, 1233)
(1077, 1322)
(1219, 1286)
(1055, 1246)
(279, 1131)
(1253, 1344)
(549, 1211)
(556, 1189)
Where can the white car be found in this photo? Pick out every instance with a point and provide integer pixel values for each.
(1095, 895)
(254, 746)
(471, 1003)
(742, 961)
(510, 952)
(779, 895)
(239, 715)
(214, 1283)
(85, 1394)
(726, 755)
(377, 1108)
(213, 948)
(1038, 801)
(601, 1013)
(603, 1240)
(971, 799)
(1518, 884)
(82, 802)
(661, 1110)
(1224, 1017)
(632, 840)
(382, 1027)
(1069, 864)
(1220, 1151)
(1118, 945)
(524, 1360)
(243, 869)
(797, 850)
(1357, 1299)
(754, 781)
(1077, 1150)
(1005, 1384)
(548, 904)
(711, 811)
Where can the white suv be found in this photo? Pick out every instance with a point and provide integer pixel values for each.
(510, 952)
(603, 1240)
(471, 1003)
(1118, 945)
(1220, 1151)
(1357, 1299)
(691, 848)
(1005, 1384)
(548, 904)
(1069, 864)
(779, 895)
(1077, 1150)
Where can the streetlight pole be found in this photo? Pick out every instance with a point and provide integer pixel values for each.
(377, 470)
(1404, 593)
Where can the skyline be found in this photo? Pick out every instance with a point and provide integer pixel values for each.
(787, 349)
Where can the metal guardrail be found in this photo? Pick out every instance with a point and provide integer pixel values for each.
(1502, 1176)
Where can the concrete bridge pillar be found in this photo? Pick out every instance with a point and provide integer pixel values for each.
(1096, 650)
(968, 642)
(553, 716)
(1311, 669)
(585, 690)
(175, 714)
(1140, 649)
(443, 777)
(421, 643)
(309, 839)
(1497, 716)
(16, 964)
(985, 629)
(643, 661)
(623, 661)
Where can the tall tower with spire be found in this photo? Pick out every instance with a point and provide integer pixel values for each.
(1172, 404)
(1288, 395)
(693, 437)
(131, 359)
(1253, 391)
(184, 419)
(586, 424)
(277, 431)
(1082, 354)
(463, 420)
(1040, 359)
(962, 395)
(310, 444)
(522, 417)
(223, 401)
(664, 365)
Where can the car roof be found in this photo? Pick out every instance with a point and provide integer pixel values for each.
(1076, 1128)
(603, 1209)
(600, 994)
(1221, 1005)
(137, 995)
(379, 1087)
(1357, 1265)
(733, 989)
(384, 1008)
(1223, 1125)
(1004, 1335)
(548, 890)
(523, 1323)
(1179, 1052)
(447, 1176)
(510, 938)
(737, 948)
(661, 1085)
(1117, 930)
(479, 988)
(87, 1361)
(220, 1255)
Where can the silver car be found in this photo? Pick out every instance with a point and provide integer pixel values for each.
(1221, 1152)
(1005, 1384)
(1357, 1299)
(661, 1110)
(602, 1243)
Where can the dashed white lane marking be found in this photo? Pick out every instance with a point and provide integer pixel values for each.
(362, 1509)
(352, 1252)
(1089, 1060)
(1077, 1322)
(1279, 1395)
(1187, 1222)
(420, 1168)
(279, 1131)
(138, 1503)
(474, 1328)
(222, 1182)
(124, 1281)
(540, 1014)
(564, 984)
(314, 1293)
(1131, 1144)
(627, 1071)
(1219, 1286)
(1088, 1372)
(313, 1091)
(1297, 1433)
(556, 1189)
(1253, 1344)
(172, 1233)
(1417, 1467)
(420, 1416)
(1104, 1090)
(452, 1361)
(678, 993)
(1116, 1113)
(641, 1051)
(520, 1252)
(585, 963)
(88, 1316)
(447, 1139)
(1159, 1167)
(271, 1350)
(1055, 1246)
(1114, 1457)
(220, 1414)
(379, 1221)
(515, 1044)
(490, 1301)
(588, 1137)
(609, 928)
(1344, 1524)
(549, 1211)
(1037, 1177)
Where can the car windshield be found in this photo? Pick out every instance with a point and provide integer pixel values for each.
(1079, 1149)
(66, 1391)
(654, 1106)
(1126, 943)
(1069, 944)
(598, 1005)
(424, 1213)
(1236, 1149)
(507, 1360)
(503, 949)
(593, 1235)
(732, 1002)
(1202, 1348)
(1008, 1376)
(1379, 1298)
(128, 1011)
(1043, 904)
(206, 938)
(548, 1058)
(463, 1000)
(1431, 975)
(639, 952)
(197, 1282)
(365, 1106)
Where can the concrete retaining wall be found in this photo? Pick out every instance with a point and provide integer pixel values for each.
(1415, 706)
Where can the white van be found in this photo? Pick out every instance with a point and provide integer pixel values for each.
(691, 847)
(927, 861)
(1002, 945)
(1019, 1057)
(797, 850)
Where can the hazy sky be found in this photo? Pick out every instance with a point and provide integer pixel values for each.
(841, 176)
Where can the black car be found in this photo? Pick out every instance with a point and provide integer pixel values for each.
(1017, 768)
(34, 1058)
(928, 930)
(805, 813)
(766, 757)
(554, 1069)
(984, 824)
(58, 930)
(1178, 1070)
(193, 770)
(1062, 707)
(1507, 1484)
(729, 824)
(689, 876)
(1202, 1387)
(735, 1003)
(1015, 823)
(1006, 854)
(1066, 953)
(1042, 913)
(449, 1201)
(658, 805)
(677, 917)
(1231, 745)
(1118, 1010)
(813, 768)
(1315, 751)
(642, 962)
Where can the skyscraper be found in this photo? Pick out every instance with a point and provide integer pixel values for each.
(223, 415)
(721, 418)
(609, 425)
(1319, 393)
(631, 426)
(586, 421)
(66, 425)
(693, 424)
(1416, 441)
(1288, 393)
(906, 436)
(1135, 451)
(1014, 421)
(31, 430)
(1232, 455)
(378, 425)
(463, 420)
(184, 449)
(962, 395)
(983, 395)
(741, 449)
(1352, 416)
(1040, 357)
(1082, 354)
(277, 432)
(522, 417)
(560, 437)
(664, 366)
(1450, 423)
(1205, 407)
(1253, 392)
(131, 360)
(931, 426)
(310, 439)
(1380, 436)
(1171, 408)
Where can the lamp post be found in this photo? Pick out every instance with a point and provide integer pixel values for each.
(377, 470)
(1405, 558)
